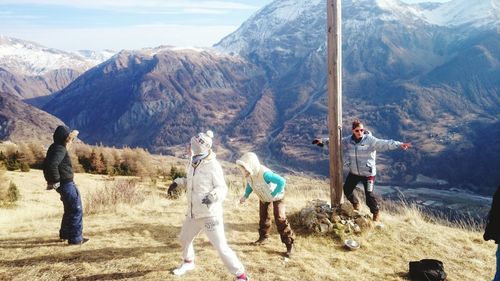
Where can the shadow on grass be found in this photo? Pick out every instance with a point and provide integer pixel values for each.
(30, 243)
(160, 232)
(163, 233)
(89, 256)
(110, 276)
(403, 275)
(242, 227)
(273, 252)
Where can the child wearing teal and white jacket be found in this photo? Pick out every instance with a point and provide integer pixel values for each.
(270, 188)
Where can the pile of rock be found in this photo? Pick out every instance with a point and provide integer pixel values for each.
(319, 216)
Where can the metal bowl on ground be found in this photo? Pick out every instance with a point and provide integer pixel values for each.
(351, 244)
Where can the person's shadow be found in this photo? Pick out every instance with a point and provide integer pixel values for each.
(111, 276)
(27, 243)
(55, 251)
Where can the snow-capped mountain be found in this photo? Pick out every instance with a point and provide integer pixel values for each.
(278, 15)
(413, 72)
(96, 57)
(450, 14)
(382, 39)
(455, 13)
(29, 70)
(271, 20)
(28, 58)
(406, 69)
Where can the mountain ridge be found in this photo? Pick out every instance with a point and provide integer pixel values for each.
(30, 70)
(391, 70)
(408, 79)
(23, 123)
(171, 91)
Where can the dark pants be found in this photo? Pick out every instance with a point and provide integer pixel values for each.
(71, 224)
(349, 186)
(284, 229)
(497, 274)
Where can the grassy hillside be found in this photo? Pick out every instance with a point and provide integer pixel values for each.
(139, 242)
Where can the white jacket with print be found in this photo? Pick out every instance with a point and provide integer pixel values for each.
(201, 180)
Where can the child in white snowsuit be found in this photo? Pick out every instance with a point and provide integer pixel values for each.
(205, 190)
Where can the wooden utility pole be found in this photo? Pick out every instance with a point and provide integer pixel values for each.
(334, 44)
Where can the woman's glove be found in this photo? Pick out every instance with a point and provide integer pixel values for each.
(208, 199)
(53, 185)
(179, 181)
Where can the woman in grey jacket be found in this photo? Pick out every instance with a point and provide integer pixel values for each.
(359, 153)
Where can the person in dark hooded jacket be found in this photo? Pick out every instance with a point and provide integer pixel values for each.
(58, 173)
(492, 231)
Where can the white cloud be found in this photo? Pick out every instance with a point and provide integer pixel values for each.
(423, 1)
(138, 5)
(9, 15)
(133, 37)
(205, 11)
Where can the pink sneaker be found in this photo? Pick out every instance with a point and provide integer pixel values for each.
(243, 277)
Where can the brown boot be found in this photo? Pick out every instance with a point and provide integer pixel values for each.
(355, 206)
(376, 216)
(289, 250)
(261, 241)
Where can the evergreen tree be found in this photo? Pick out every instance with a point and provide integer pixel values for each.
(13, 193)
(12, 162)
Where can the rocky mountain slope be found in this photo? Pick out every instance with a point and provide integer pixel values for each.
(415, 73)
(159, 97)
(20, 122)
(412, 72)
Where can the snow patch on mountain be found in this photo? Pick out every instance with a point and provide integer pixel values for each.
(28, 58)
(465, 12)
(289, 10)
(397, 10)
(96, 57)
(264, 27)
(453, 13)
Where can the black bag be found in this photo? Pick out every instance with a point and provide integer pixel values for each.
(427, 270)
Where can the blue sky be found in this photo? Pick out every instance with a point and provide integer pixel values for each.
(125, 24)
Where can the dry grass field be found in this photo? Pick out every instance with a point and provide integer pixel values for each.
(139, 242)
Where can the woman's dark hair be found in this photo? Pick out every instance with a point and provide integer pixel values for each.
(356, 123)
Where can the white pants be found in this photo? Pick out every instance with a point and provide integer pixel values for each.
(214, 229)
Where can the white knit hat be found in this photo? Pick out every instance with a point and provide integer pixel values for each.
(202, 142)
